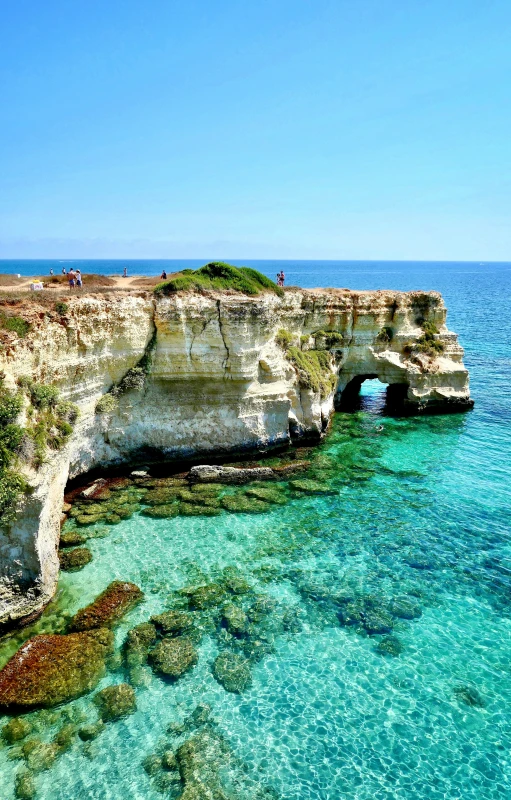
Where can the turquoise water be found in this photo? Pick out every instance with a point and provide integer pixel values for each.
(420, 510)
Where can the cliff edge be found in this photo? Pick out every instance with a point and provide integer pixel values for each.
(196, 373)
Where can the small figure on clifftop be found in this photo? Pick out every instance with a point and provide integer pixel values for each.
(125, 272)
(79, 279)
(63, 270)
(163, 276)
(51, 270)
(71, 276)
(280, 278)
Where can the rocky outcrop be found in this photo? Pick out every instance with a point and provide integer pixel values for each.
(193, 375)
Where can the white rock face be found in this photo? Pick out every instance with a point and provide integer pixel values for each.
(217, 382)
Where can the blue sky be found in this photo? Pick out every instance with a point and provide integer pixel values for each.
(283, 129)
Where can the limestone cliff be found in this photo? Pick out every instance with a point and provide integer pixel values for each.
(217, 373)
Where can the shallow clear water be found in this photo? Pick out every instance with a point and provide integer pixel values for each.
(423, 512)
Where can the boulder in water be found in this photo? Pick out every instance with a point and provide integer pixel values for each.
(172, 621)
(15, 730)
(116, 701)
(108, 607)
(75, 560)
(51, 669)
(173, 657)
(232, 671)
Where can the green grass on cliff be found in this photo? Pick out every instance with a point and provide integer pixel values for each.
(314, 369)
(218, 275)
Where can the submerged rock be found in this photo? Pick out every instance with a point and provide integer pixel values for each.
(137, 643)
(108, 607)
(24, 786)
(65, 737)
(196, 510)
(232, 671)
(403, 608)
(172, 621)
(241, 504)
(234, 581)
(89, 732)
(217, 474)
(377, 622)
(469, 695)
(52, 669)
(116, 701)
(389, 646)
(174, 657)
(235, 619)
(39, 755)
(71, 539)
(161, 512)
(15, 730)
(269, 494)
(74, 560)
(311, 487)
(201, 597)
(152, 764)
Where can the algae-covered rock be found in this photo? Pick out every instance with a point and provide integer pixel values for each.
(51, 668)
(404, 608)
(15, 730)
(241, 504)
(200, 716)
(137, 643)
(172, 621)
(377, 622)
(234, 581)
(306, 486)
(173, 657)
(108, 608)
(232, 671)
(24, 786)
(162, 496)
(235, 619)
(206, 489)
(65, 737)
(268, 494)
(201, 597)
(161, 512)
(352, 613)
(200, 760)
(89, 519)
(389, 646)
(199, 510)
(75, 560)
(116, 701)
(39, 755)
(152, 764)
(71, 539)
(89, 732)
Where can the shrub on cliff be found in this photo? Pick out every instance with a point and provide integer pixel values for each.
(428, 343)
(14, 324)
(314, 369)
(12, 484)
(218, 275)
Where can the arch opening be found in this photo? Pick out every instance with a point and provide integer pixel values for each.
(369, 393)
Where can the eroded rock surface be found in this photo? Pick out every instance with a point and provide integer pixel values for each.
(221, 363)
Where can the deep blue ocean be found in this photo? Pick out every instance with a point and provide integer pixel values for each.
(419, 517)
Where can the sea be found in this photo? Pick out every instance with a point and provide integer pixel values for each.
(413, 526)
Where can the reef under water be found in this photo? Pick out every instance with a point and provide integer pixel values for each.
(341, 633)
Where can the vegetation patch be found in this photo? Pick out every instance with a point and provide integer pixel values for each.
(385, 335)
(314, 368)
(284, 338)
(12, 483)
(428, 343)
(218, 275)
(61, 308)
(134, 379)
(15, 324)
(328, 339)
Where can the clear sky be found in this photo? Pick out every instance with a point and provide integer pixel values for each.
(255, 129)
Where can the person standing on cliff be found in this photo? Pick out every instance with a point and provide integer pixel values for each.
(79, 279)
(125, 272)
(71, 276)
(163, 276)
(282, 277)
